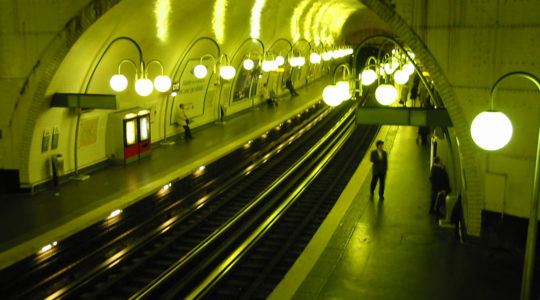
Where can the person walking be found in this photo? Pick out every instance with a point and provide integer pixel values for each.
(440, 186)
(183, 120)
(379, 158)
(290, 86)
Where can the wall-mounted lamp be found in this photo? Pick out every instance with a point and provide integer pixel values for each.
(334, 95)
(314, 58)
(161, 82)
(280, 60)
(492, 130)
(226, 71)
(270, 64)
(119, 82)
(296, 61)
(248, 64)
(200, 71)
(143, 85)
(386, 94)
(326, 56)
(399, 63)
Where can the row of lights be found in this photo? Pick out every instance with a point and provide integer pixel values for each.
(162, 83)
(397, 65)
(227, 72)
(143, 85)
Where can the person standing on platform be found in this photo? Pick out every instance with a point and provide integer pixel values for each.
(379, 158)
(183, 120)
(440, 186)
(290, 86)
(423, 132)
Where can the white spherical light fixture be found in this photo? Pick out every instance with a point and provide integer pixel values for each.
(386, 94)
(118, 82)
(267, 66)
(300, 61)
(162, 83)
(314, 58)
(248, 64)
(331, 95)
(344, 90)
(293, 61)
(144, 86)
(409, 68)
(368, 77)
(491, 130)
(227, 72)
(280, 60)
(326, 56)
(200, 71)
(401, 77)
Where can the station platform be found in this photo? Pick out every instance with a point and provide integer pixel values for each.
(394, 249)
(30, 222)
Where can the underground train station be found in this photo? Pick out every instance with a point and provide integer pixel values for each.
(303, 149)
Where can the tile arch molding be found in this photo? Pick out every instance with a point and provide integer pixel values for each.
(475, 194)
(32, 94)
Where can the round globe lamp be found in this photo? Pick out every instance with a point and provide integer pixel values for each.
(118, 82)
(314, 58)
(390, 67)
(401, 76)
(267, 66)
(344, 90)
(301, 61)
(331, 95)
(368, 77)
(248, 64)
(386, 94)
(280, 60)
(326, 56)
(491, 130)
(409, 68)
(144, 86)
(293, 61)
(162, 83)
(200, 71)
(227, 72)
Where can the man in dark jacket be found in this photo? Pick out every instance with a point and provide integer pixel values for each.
(440, 185)
(379, 159)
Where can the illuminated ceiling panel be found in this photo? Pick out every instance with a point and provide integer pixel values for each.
(308, 19)
(295, 20)
(320, 21)
(161, 11)
(323, 20)
(218, 20)
(256, 18)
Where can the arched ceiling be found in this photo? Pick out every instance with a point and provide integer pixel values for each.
(165, 29)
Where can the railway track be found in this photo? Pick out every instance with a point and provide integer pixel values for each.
(205, 243)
